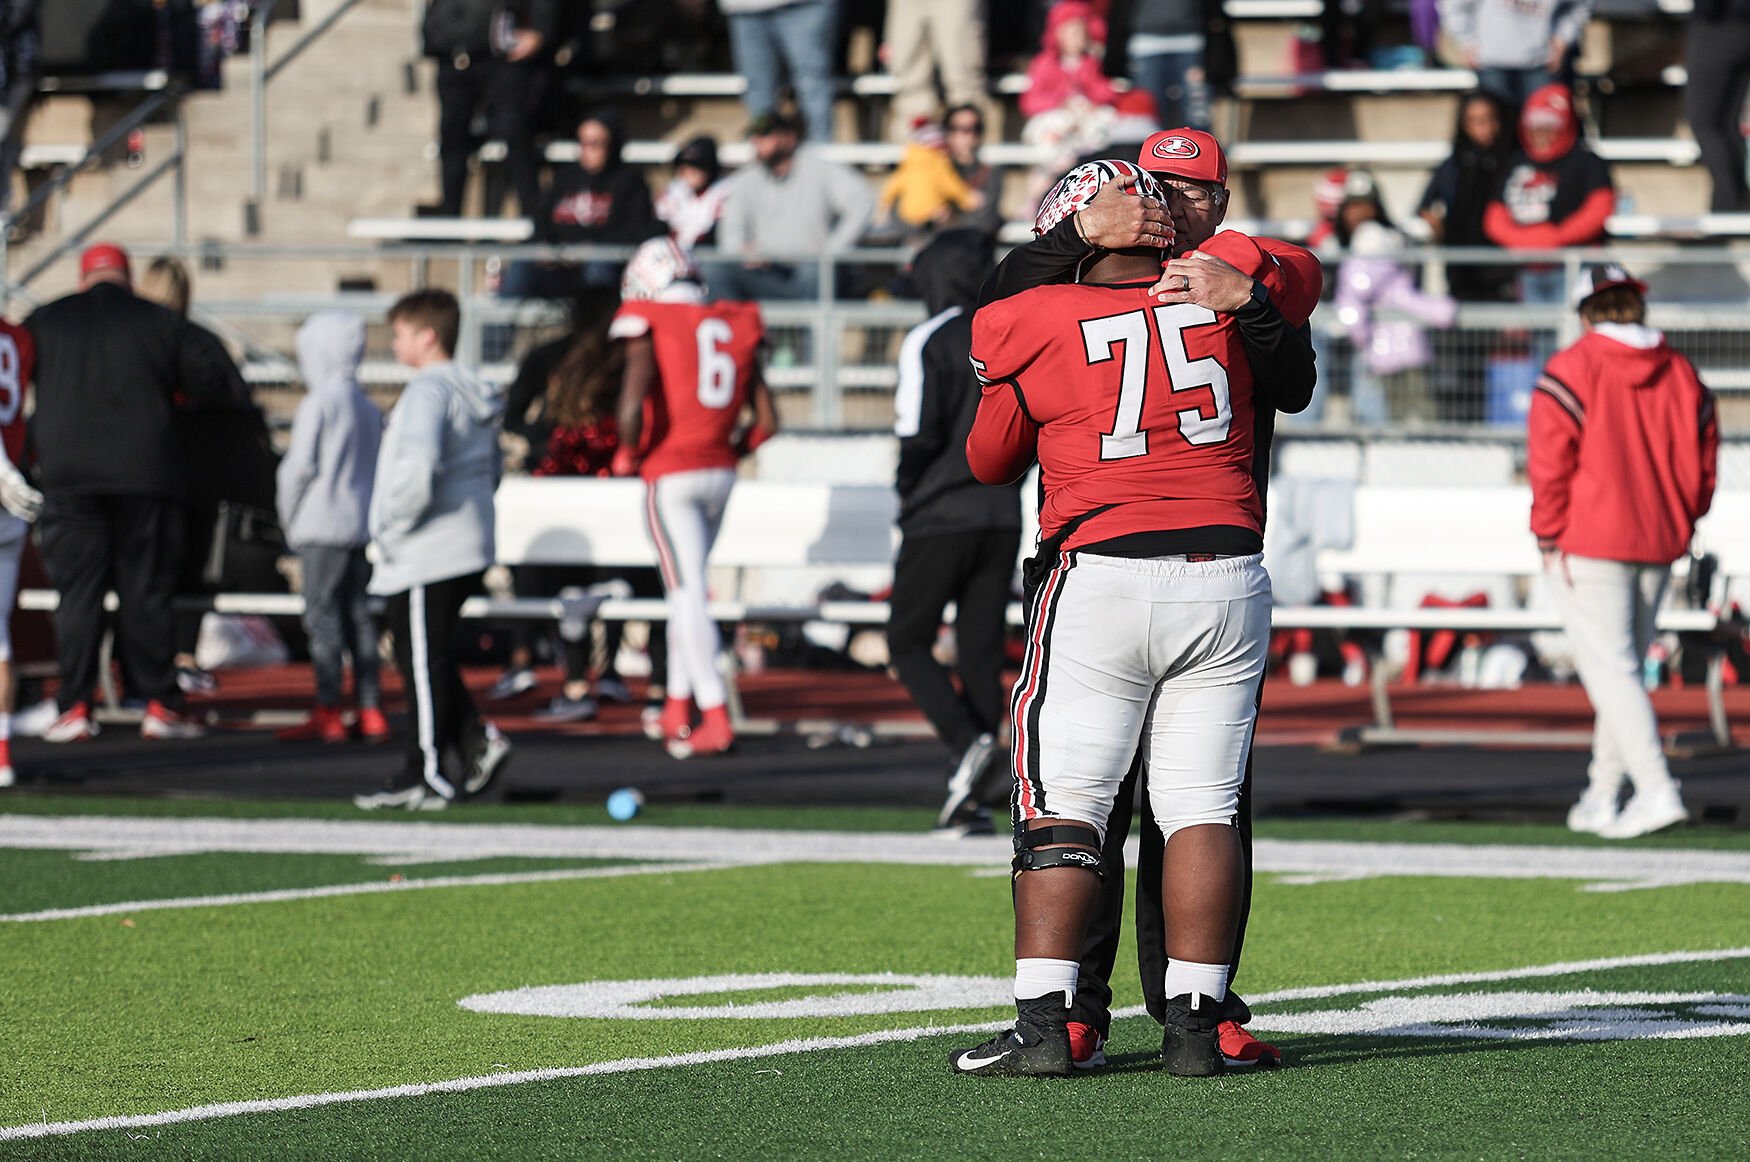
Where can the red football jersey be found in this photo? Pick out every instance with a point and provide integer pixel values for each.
(17, 364)
(1127, 401)
(706, 358)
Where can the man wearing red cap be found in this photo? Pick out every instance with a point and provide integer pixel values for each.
(1269, 313)
(109, 366)
(1621, 453)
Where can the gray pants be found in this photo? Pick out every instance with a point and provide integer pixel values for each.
(337, 618)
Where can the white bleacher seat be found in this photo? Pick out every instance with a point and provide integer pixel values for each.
(851, 459)
(1417, 463)
(509, 230)
(1319, 459)
(44, 155)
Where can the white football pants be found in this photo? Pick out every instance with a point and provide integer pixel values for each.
(685, 510)
(1608, 609)
(1165, 654)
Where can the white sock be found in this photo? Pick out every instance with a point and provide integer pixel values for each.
(1039, 976)
(1187, 976)
(5, 725)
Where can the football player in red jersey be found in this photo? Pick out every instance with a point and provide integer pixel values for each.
(1150, 623)
(21, 502)
(1279, 351)
(692, 369)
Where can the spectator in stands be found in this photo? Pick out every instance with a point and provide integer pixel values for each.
(1346, 32)
(324, 503)
(1460, 190)
(960, 537)
(963, 127)
(1718, 61)
(926, 39)
(797, 35)
(599, 201)
(234, 466)
(1555, 191)
(1328, 197)
(110, 366)
(1621, 453)
(925, 189)
(1134, 121)
(1168, 39)
(784, 211)
(490, 55)
(1069, 98)
(1392, 353)
(1516, 46)
(562, 402)
(431, 520)
(19, 46)
(693, 201)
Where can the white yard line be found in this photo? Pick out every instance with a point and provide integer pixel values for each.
(1307, 861)
(48, 1129)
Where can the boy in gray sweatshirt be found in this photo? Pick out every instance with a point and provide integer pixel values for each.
(324, 497)
(431, 520)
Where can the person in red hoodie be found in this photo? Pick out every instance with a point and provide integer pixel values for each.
(1622, 450)
(1555, 192)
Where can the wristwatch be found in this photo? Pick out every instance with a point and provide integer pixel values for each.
(1260, 295)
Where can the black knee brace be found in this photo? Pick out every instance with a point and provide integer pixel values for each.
(1086, 855)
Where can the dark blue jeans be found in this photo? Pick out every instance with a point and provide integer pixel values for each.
(337, 619)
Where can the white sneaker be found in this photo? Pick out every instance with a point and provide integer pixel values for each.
(1303, 669)
(485, 764)
(413, 797)
(1647, 813)
(7, 776)
(1595, 811)
(33, 721)
(964, 781)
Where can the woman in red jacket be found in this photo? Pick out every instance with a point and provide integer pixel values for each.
(1622, 452)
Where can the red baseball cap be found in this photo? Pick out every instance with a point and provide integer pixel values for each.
(1185, 153)
(103, 256)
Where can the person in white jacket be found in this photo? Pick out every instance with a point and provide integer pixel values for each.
(431, 521)
(324, 498)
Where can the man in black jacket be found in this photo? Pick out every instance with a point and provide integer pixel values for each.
(490, 53)
(1284, 373)
(960, 537)
(20, 44)
(110, 367)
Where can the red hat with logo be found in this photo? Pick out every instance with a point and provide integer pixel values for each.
(1185, 153)
(103, 256)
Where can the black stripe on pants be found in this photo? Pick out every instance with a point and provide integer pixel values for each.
(440, 711)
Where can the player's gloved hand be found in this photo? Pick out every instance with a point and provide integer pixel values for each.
(17, 496)
(1205, 280)
(1118, 219)
(625, 462)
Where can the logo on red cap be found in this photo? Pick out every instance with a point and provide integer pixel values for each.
(1179, 147)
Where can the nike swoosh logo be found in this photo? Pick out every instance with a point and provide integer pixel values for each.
(968, 1061)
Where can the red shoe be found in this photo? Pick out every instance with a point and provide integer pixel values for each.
(712, 736)
(1087, 1049)
(676, 716)
(1244, 1051)
(161, 722)
(7, 775)
(323, 725)
(74, 725)
(372, 726)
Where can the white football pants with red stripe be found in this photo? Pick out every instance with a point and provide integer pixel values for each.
(1165, 654)
(684, 511)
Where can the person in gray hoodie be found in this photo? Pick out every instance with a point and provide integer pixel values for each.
(431, 521)
(324, 499)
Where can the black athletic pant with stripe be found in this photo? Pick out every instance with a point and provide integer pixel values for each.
(440, 711)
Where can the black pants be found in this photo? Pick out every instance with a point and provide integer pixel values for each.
(973, 570)
(509, 91)
(91, 543)
(1719, 76)
(440, 711)
(1093, 1003)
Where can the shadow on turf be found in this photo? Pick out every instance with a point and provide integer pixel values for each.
(1310, 1053)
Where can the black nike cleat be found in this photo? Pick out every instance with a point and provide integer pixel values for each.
(1038, 1046)
(1190, 1044)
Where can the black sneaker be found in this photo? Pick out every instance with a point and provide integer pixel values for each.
(968, 772)
(1190, 1044)
(970, 822)
(402, 793)
(1038, 1045)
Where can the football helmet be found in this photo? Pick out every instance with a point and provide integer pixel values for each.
(1077, 188)
(656, 268)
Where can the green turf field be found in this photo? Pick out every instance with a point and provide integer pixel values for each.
(191, 980)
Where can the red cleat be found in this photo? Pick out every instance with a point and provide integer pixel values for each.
(323, 725)
(1087, 1049)
(712, 736)
(1241, 1050)
(372, 726)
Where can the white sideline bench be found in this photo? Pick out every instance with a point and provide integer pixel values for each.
(775, 527)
